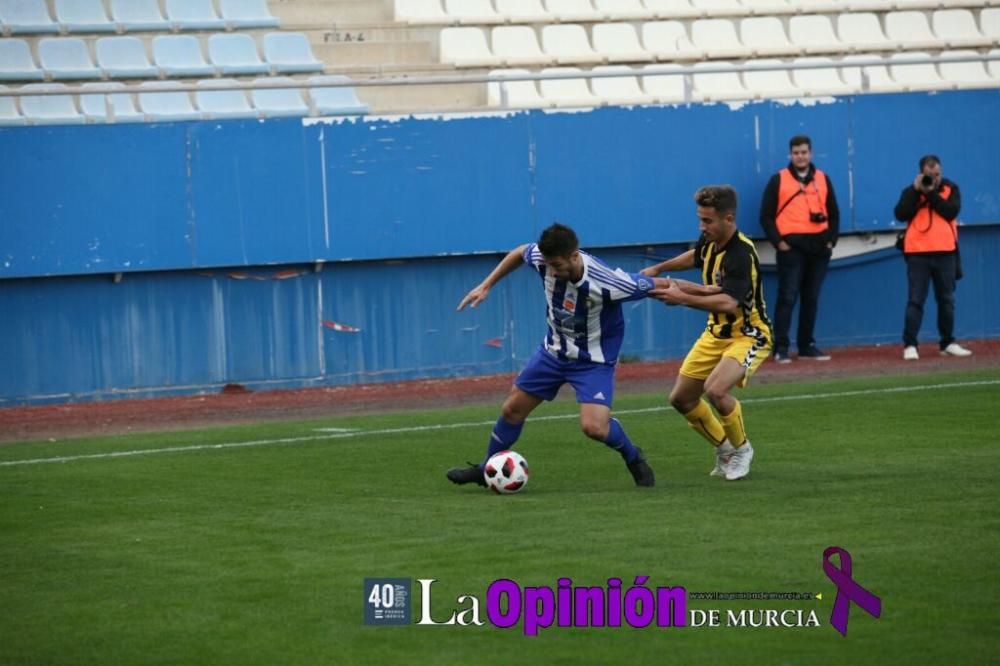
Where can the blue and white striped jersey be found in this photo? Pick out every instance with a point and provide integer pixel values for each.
(585, 318)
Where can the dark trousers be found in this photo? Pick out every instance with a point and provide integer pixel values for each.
(800, 276)
(921, 270)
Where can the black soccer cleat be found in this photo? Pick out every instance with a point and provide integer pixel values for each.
(641, 471)
(471, 474)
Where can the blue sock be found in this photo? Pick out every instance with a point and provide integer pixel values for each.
(503, 437)
(619, 441)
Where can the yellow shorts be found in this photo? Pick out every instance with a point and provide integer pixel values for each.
(709, 350)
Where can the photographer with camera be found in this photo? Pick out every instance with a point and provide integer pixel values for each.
(799, 213)
(930, 245)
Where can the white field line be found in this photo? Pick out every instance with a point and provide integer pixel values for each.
(453, 426)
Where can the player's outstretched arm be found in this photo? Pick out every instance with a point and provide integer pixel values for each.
(696, 289)
(506, 266)
(679, 263)
(715, 302)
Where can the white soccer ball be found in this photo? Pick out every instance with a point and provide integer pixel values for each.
(506, 472)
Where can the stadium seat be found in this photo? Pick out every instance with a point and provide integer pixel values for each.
(670, 9)
(247, 14)
(965, 74)
(96, 106)
(568, 44)
(83, 16)
(66, 58)
(475, 12)
(814, 34)
(566, 93)
(572, 10)
(235, 54)
(138, 15)
(862, 31)
(9, 115)
(513, 94)
(465, 47)
(289, 53)
(821, 6)
(193, 15)
(769, 83)
(216, 104)
(958, 29)
(915, 77)
(124, 57)
(666, 88)
(278, 102)
(911, 30)
(622, 10)
(50, 109)
(522, 11)
(820, 82)
(765, 35)
(180, 55)
(989, 23)
(339, 101)
(717, 38)
(663, 39)
(421, 12)
(878, 79)
(711, 8)
(517, 45)
(993, 66)
(26, 17)
(622, 90)
(618, 42)
(717, 86)
(16, 63)
(166, 106)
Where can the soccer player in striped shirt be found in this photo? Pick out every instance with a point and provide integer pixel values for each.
(583, 298)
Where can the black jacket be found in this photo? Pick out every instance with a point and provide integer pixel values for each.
(810, 243)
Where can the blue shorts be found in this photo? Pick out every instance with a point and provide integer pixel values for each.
(594, 383)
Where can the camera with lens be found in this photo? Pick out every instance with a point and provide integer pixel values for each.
(818, 218)
(926, 181)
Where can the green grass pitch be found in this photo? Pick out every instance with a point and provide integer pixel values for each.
(257, 554)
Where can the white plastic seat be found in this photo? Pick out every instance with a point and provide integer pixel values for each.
(822, 81)
(566, 93)
(622, 10)
(180, 55)
(278, 102)
(513, 94)
(717, 38)
(572, 10)
(50, 109)
(247, 14)
(877, 75)
(517, 45)
(465, 47)
(26, 17)
(957, 28)
(193, 15)
(475, 12)
(167, 106)
(124, 57)
(335, 101)
(9, 114)
(915, 77)
(911, 30)
(568, 44)
(138, 15)
(83, 16)
(289, 52)
(16, 63)
(522, 11)
(717, 86)
(814, 34)
(666, 88)
(420, 12)
(618, 42)
(102, 107)
(66, 58)
(623, 90)
(993, 66)
(670, 9)
(769, 83)
(663, 38)
(218, 104)
(862, 31)
(235, 54)
(765, 35)
(769, 7)
(718, 7)
(820, 6)
(989, 23)
(965, 74)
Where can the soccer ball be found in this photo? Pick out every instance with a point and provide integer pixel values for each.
(506, 472)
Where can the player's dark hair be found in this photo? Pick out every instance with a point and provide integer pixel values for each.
(932, 160)
(720, 197)
(798, 140)
(558, 241)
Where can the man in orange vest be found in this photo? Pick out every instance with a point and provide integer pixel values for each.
(799, 213)
(929, 207)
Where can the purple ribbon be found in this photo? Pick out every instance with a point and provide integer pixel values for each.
(847, 590)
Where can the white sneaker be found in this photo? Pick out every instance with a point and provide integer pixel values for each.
(723, 452)
(739, 462)
(910, 354)
(955, 349)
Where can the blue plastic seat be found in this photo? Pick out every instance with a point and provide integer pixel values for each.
(193, 15)
(104, 107)
(138, 15)
(235, 54)
(165, 105)
(16, 63)
(50, 109)
(247, 14)
(289, 52)
(215, 104)
(339, 101)
(9, 115)
(27, 17)
(124, 57)
(180, 55)
(83, 16)
(66, 58)
(278, 102)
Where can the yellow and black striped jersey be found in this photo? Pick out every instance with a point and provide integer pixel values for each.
(736, 269)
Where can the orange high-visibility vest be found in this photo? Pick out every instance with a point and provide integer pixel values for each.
(797, 201)
(928, 231)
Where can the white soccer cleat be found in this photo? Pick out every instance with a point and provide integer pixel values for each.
(955, 349)
(739, 462)
(722, 454)
(910, 354)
